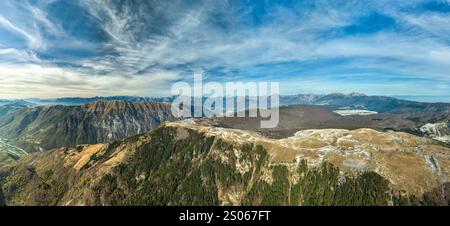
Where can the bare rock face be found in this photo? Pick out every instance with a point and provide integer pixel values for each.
(191, 163)
(438, 131)
(46, 127)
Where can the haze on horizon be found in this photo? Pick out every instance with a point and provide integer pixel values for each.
(54, 48)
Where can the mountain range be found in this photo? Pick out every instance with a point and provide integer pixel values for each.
(326, 150)
(193, 163)
(376, 103)
(50, 126)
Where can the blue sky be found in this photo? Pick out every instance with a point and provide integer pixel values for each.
(51, 48)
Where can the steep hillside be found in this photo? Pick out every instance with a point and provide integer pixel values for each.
(186, 163)
(46, 127)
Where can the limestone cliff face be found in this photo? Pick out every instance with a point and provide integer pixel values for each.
(46, 127)
(438, 131)
(189, 163)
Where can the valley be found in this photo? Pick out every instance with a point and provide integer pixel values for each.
(294, 118)
(9, 154)
(11, 149)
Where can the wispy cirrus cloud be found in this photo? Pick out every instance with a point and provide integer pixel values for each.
(377, 47)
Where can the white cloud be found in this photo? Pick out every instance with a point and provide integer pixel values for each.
(15, 55)
(416, 47)
(44, 81)
(33, 41)
(193, 41)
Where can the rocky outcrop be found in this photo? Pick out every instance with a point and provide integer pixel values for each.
(438, 131)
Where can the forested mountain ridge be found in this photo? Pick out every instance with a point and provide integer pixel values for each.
(51, 126)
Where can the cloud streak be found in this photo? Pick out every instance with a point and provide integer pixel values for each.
(110, 47)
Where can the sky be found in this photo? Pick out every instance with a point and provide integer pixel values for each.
(52, 48)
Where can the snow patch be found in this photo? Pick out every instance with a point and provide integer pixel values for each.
(355, 112)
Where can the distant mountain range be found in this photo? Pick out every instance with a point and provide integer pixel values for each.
(337, 100)
(72, 101)
(80, 100)
(17, 103)
(380, 104)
